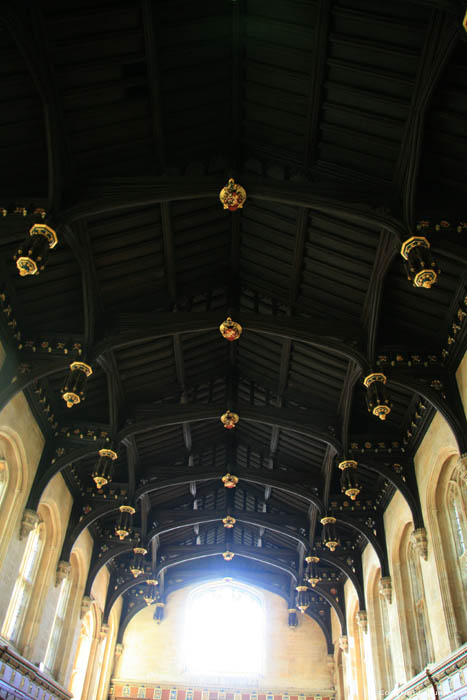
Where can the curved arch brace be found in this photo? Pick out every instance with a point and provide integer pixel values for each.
(38, 370)
(402, 486)
(335, 605)
(103, 560)
(296, 421)
(456, 420)
(357, 205)
(242, 517)
(43, 476)
(83, 524)
(339, 564)
(176, 561)
(380, 550)
(143, 328)
(324, 629)
(127, 619)
(254, 476)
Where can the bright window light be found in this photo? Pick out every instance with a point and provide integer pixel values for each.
(224, 631)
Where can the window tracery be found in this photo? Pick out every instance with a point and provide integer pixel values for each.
(24, 585)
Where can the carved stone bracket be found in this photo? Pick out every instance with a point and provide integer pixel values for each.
(420, 542)
(104, 630)
(118, 650)
(362, 620)
(85, 605)
(344, 643)
(385, 589)
(63, 571)
(29, 523)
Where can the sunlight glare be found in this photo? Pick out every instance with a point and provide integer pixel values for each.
(224, 631)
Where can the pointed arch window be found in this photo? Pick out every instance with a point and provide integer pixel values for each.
(224, 616)
(423, 654)
(57, 625)
(456, 500)
(22, 591)
(387, 651)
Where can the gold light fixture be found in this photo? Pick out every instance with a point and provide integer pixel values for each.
(330, 538)
(230, 330)
(31, 258)
(376, 395)
(102, 474)
(74, 389)
(229, 521)
(123, 526)
(420, 266)
(312, 575)
(151, 591)
(228, 556)
(137, 565)
(232, 196)
(302, 598)
(230, 481)
(229, 419)
(349, 480)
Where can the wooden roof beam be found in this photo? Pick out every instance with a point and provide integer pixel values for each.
(441, 38)
(366, 207)
(25, 22)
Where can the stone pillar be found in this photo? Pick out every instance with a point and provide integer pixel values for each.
(332, 669)
(117, 654)
(420, 542)
(29, 523)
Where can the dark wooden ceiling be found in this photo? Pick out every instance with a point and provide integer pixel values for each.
(345, 121)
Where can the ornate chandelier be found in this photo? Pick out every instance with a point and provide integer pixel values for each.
(312, 575)
(102, 473)
(137, 565)
(376, 395)
(330, 539)
(420, 266)
(349, 479)
(123, 526)
(31, 258)
(74, 389)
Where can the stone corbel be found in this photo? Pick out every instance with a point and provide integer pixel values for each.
(118, 650)
(420, 542)
(29, 523)
(63, 571)
(362, 620)
(104, 630)
(85, 606)
(344, 643)
(385, 589)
